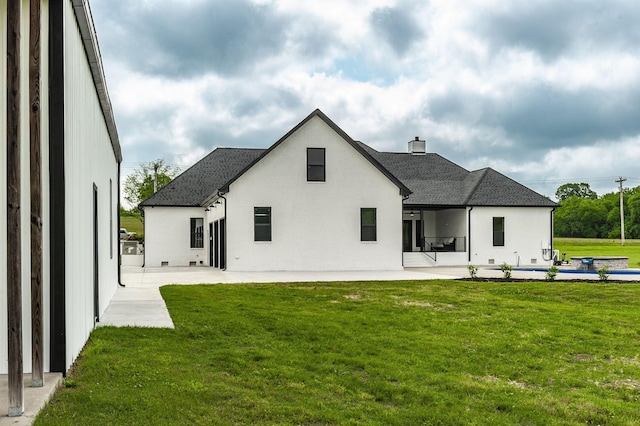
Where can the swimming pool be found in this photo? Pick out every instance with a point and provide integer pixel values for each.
(581, 271)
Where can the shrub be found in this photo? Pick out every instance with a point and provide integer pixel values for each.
(473, 271)
(506, 270)
(603, 273)
(551, 273)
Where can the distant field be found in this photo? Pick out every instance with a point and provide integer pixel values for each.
(599, 247)
(132, 224)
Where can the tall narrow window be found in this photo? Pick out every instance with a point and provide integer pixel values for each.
(262, 223)
(367, 224)
(197, 232)
(111, 230)
(315, 165)
(498, 231)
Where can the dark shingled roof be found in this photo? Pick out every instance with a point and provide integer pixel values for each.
(433, 180)
(436, 181)
(193, 186)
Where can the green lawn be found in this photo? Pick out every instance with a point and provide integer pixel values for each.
(371, 353)
(132, 224)
(599, 247)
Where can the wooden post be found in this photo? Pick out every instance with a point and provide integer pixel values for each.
(14, 261)
(37, 332)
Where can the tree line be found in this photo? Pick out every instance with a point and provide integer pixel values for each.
(583, 214)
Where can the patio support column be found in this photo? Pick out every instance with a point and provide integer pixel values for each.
(422, 245)
(37, 332)
(14, 240)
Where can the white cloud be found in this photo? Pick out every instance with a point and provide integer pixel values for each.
(541, 91)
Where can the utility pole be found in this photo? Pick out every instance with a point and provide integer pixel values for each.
(156, 165)
(621, 209)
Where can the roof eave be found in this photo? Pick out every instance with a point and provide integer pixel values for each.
(90, 41)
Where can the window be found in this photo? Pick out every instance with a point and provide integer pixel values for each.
(367, 224)
(197, 232)
(111, 230)
(315, 165)
(498, 231)
(262, 223)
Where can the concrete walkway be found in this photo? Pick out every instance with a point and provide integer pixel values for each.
(139, 303)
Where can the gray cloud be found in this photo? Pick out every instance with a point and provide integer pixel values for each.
(397, 27)
(552, 29)
(539, 117)
(178, 39)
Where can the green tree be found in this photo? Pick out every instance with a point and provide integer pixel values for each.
(568, 190)
(581, 218)
(139, 185)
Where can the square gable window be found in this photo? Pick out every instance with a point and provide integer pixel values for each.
(315, 165)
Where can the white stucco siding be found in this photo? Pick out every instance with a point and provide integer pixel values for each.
(167, 232)
(525, 228)
(25, 186)
(89, 161)
(315, 225)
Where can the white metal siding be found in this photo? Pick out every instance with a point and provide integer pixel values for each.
(89, 160)
(315, 225)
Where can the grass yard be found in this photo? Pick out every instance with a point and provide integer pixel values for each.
(370, 353)
(132, 224)
(599, 247)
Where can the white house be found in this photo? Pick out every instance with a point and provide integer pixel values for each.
(80, 160)
(318, 200)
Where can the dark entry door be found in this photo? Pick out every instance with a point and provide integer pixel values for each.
(216, 244)
(210, 243)
(223, 244)
(407, 234)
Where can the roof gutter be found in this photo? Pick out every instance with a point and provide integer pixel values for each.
(119, 245)
(91, 48)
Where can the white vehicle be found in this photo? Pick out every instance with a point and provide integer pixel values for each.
(124, 234)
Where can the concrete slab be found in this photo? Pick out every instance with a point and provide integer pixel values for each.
(140, 302)
(34, 398)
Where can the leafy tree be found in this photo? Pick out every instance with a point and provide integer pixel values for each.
(580, 218)
(139, 185)
(568, 190)
(599, 217)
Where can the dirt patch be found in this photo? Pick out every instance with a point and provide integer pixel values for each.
(437, 307)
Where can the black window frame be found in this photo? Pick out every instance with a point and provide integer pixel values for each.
(316, 169)
(262, 230)
(368, 231)
(196, 233)
(498, 231)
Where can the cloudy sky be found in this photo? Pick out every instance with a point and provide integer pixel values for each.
(545, 92)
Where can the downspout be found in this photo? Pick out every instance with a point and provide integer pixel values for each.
(144, 232)
(226, 223)
(119, 245)
(469, 234)
(551, 231)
